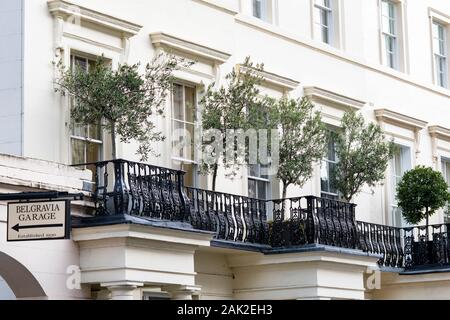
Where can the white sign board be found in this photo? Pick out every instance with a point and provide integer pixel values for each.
(38, 220)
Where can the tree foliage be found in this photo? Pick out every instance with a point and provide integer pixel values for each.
(302, 140)
(421, 192)
(363, 155)
(121, 101)
(237, 105)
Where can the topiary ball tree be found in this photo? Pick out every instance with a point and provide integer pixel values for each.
(421, 192)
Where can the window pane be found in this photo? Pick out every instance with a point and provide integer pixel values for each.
(189, 139)
(94, 132)
(440, 32)
(257, 8)
(252, 188)
(436, 45)
(190, 104)
(317, 12)
(325, 35)
(81, 63)
(442, 47)
(331, 173)
(324, 18)
(254, 170)
(191, 173)
(79, 130)
(385, 8)
(91, 64)
(397, 164)
(385, 23)
(264, 171)
(78, 151)
(324, 177)
(92, 152)
(446, 166)
(391, 8)
(392, 26)
(262, 190)
(178, 139)
(178, 108)
(331, 155)
(390, 51)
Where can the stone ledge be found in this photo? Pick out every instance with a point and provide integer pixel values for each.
(41, 174)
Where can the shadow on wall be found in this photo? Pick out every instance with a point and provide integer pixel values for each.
(19, 279)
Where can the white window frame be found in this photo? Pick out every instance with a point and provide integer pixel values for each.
(336, 32)
(86, 139)
(437, 55)
(269, 15)
(446, 218)
(185, 159)
(260, 179)
(330, 19)
(393, 176)
(327, 162)
(389, 35)
(400, 35)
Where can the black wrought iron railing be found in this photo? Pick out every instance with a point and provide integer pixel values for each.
(231, 217)
(383, 240)
(126, 187)
(427, 246)
(308, 220)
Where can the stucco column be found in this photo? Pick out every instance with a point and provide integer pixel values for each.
(122, 290)
(182, 292)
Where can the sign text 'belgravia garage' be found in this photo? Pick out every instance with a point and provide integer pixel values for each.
(38, 220)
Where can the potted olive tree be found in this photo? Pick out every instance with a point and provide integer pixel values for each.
(421, 192)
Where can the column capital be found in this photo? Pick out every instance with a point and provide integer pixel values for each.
(121, 284)
(122, 290)
(182, 292)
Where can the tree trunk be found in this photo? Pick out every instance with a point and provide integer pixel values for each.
(113, 140)
(214, 177)
(283, 198)
(426, 222)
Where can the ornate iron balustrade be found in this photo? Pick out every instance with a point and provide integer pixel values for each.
(313, 220)
(126, 187)
(427, 247)
(231, 217)
(383, 240)
(308, 220)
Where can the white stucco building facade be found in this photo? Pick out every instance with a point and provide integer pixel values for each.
(387, 59)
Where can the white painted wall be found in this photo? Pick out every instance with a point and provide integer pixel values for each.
(287, 49)
(11, 31)
(48, 261)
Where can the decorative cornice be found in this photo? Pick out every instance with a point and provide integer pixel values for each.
(273, 79)
(438, 15)
(439, 132)
(390, 116)
(64, 9)
(166, 41)
(316, 93)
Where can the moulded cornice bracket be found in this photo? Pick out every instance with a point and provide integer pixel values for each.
(317, 94)
(76, 14)
(172, 43)
(272, 79)
(439, 132)
(389, 116)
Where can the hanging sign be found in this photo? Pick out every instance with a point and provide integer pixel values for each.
(38, 220)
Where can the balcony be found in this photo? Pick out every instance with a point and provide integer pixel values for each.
(158, 194)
